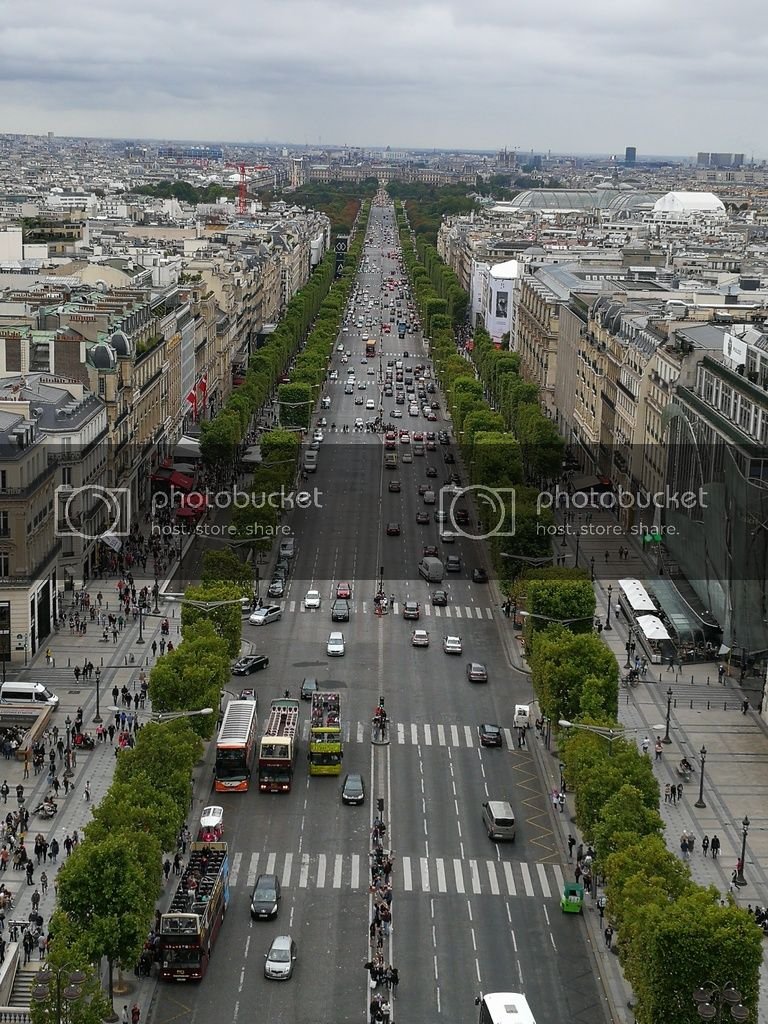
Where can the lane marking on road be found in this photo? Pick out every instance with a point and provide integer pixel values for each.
(458, 612)
(427, 735)
(508, 738)
(400, 732)
(479, 612)
(441, 735)
(360, 732)
(287, 869)
(458, 875)
(509, 878)
(235, 869)
(407, 878)
(253, 870)
(355, 880)
(559, 877)
(291, 606)
(321, 871)
(527, 883)
(543, 880)
(489, 613)
(437, 611)
(441, 882)
(448, 612)
(414, 734)
(455, 735)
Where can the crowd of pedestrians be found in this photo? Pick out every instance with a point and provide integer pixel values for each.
(384, 977)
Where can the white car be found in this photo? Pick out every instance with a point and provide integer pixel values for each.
(271, 613)
(362, 385)
(340, 348)
(312, 599)
(452, 644)
(419, 638)
(318, 436)
(370, 404)
(335, 647)
(359, 424)
(334, 375)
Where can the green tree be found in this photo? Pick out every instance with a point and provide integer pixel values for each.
(225, 567)
(219, 604)
(164, 756)
(136, 809)
(560, 661)
(569, 602)
(191, 676)
(66, 954)
(623, 818)
(105, 891)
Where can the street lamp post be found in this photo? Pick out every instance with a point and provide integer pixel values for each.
(68, 773)
(578, 542)
(703, 755)
(156, 595)
(610, 595)
(740, 880)
(607, 733)
(712, 1000)
(670, 695)
(161, 717)
(71, 992)
(141, 616)
(592, 568)
(628, 648)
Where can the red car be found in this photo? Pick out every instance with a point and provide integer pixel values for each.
(343, 591)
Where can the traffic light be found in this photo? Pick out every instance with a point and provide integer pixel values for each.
(380, 804)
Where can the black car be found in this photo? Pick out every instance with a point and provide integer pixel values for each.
(431, 471)
(353, 790)
(308, 687)
(394, 486)
(422, 518)
(265, 899)
(490, 735)
(439, 598)
(448, 457)
(479, 575)
(393, 529)
(340, 610)
(250, 663)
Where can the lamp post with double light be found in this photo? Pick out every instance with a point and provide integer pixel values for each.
(670, 695)
(608, 733)
(740, 880)
(68, 988)
(712, 1001)
(608, 618)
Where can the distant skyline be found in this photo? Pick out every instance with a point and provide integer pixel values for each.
(588, 78)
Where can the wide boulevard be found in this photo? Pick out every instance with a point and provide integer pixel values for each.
(469, 915)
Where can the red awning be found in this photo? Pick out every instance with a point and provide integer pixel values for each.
(180, 480)
(188, 513)
(196, 501)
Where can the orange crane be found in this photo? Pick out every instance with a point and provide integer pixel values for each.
(242, 188)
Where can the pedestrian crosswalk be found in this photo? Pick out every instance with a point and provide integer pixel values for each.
(417, 734)
(441, 875)
(456, 611)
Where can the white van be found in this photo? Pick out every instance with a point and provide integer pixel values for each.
(310, 461)
(522, 716)
(499, 820)
(431, 569)
(288, 547)
(27, 693)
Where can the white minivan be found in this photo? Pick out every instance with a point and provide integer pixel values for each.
(27, 693)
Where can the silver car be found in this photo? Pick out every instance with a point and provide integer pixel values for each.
(279, 961)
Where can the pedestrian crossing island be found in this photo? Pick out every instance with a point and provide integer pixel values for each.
(434, 875)
(419, 734)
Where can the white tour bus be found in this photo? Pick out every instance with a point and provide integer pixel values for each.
(504, 1008)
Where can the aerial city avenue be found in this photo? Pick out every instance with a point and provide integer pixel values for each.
(383, 516)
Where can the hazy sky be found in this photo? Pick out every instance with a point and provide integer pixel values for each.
(588, 76)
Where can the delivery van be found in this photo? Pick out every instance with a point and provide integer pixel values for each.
(499, 820)
(431, 569)
(27, 693)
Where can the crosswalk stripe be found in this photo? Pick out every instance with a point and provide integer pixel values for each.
(508, 738)
(441, 735)
(559, 877)
(427, 610)
(407, 878)
(427, 735)
(441, 883)
(424, 874)
(494, 882)
(468, 736)
(489, 613)
(474, 874)
(400, 732)
(360, 732)
(291, 606)
(454, 735)
(234, 869)
(527, 879)
(253, 870)
(458, 875)
(395, 608)
(365, 607)
(448, 612)
(479, 612)
(543, 879)
(509, 878)
(437, 611)
(414, 734)
(458, 612)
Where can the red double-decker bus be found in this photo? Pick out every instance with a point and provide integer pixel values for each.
(188, 930)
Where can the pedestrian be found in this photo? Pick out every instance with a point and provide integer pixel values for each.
(53, 850)
(44, 883)
(679, 791)
(30, 873)
(658, 748)
(4, 791)
(667, 796)
(571, 844)
(607, 556)
(36, 900)
(745, 706)
(561, 801)
(177, 864)
(646, 745)
(608, 933)
(124, 1015)
(705, 845)
(154, 648)
(166, 868)
(42, 946)
(135, 1014)
(394, 980)
(673, 794)
(87, 792)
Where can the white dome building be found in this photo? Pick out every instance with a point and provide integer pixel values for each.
(688, 207)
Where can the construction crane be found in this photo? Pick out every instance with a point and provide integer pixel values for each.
(242, 188)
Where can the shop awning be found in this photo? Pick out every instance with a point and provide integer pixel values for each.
(653, 628)
(586, 483)
(195, 500)
(181, 481)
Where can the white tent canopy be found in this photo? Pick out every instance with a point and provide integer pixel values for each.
(653, 628)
